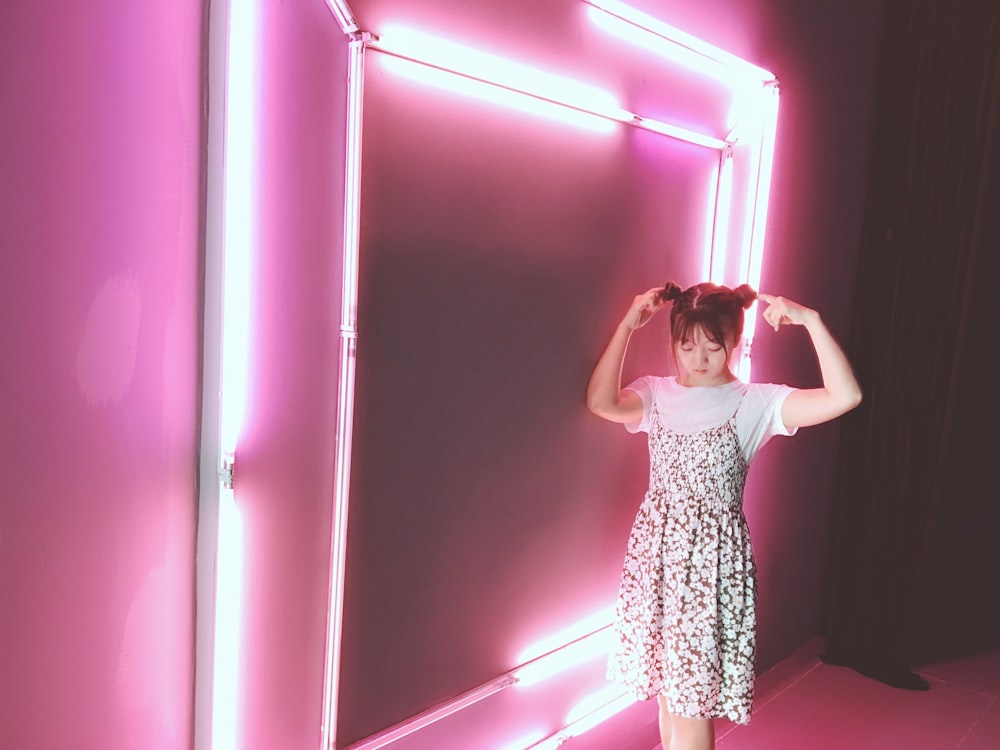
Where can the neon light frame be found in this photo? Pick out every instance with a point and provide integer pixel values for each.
(715, 265)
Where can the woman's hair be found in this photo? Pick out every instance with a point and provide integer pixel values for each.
(717, 310)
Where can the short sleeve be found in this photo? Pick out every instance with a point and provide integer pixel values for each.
(645, 387)
(759, 418)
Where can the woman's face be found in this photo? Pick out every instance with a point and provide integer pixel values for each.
(703, 361)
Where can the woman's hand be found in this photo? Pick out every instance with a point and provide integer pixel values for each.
(643, 307)
(840, 392)
(781, 311)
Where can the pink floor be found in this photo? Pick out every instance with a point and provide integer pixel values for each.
(803, 703)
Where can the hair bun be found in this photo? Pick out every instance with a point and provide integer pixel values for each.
(670, 292)
(745, 294)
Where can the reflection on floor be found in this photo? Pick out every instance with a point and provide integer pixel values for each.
(804, 703)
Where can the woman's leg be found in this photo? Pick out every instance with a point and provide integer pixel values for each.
(692, 734)
(665, 722)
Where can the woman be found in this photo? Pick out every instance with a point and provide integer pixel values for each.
(686, 620)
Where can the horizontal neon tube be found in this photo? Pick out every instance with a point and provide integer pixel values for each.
(427, 718)
(681, 133)
(645, 30)
(490, 92)
(473, 63)
(472, 73)
(583, 627)
(567, 657)
(588, 719)
(586, 715)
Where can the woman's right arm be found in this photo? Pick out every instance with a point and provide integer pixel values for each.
(605, 396)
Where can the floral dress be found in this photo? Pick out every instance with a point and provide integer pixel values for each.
(686, 618)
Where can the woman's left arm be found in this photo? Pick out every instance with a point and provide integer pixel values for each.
(840, 392)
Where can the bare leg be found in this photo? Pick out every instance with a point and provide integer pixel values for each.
(665, 722)
(692, 734)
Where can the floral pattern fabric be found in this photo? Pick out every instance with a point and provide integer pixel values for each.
(686, 621)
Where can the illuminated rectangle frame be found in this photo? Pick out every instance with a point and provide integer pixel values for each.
(715, 265)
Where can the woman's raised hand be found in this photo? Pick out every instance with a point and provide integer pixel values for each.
(643, 307)
(781, 311)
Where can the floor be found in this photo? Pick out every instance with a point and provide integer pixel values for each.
(805, 703)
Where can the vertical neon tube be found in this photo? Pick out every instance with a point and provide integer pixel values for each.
(720, 224)
(762, 194)
(757, 219)
(345, 399)
(238, 241)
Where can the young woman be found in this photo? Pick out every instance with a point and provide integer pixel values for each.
(686, 608)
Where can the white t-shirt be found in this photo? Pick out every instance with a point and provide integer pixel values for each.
(688, 409)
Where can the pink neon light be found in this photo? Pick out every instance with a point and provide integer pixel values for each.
(238, 243)
(720, 233)
(590, 720)
(583, 627)
(343, 15)
(497, 73)
(345, 400)
(590, 647)
(644, 30)
(761, 199)
(677, 132)
(510, 98)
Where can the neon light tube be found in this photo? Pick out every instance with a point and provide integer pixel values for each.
(598, 703)
(589, 720)
(493, 93)
(239, 190)
(586, 626)
(429, 717)
(586, 715)
(760, 199)
(470, 63)
(345, 396)
(677, 132)
(644, 30)
(228, 605)
(720, 223)
(587, 648)
(343, 15)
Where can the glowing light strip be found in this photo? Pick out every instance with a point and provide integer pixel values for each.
(228, 606)
(474, 63)
(753, 250)
(345, 399)
(565, 657)
(720, 223)
(581, 628)
(500, 78)
(417, 723)
(497, 73)
(685, 48)
(343, 15)
(477, 89)
(587, 714)
(677, 132)
(239, 190)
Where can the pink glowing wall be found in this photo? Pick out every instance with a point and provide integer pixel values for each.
(100, 236)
